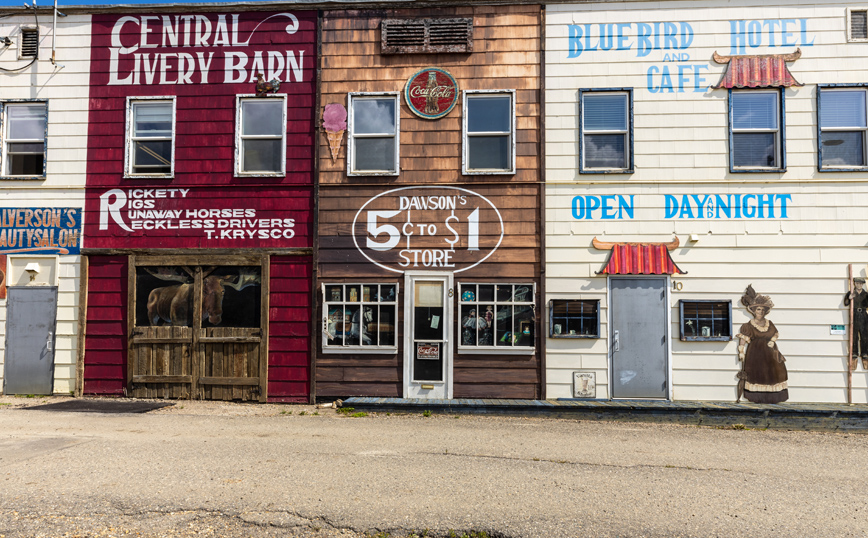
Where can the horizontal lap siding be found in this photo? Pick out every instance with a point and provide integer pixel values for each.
(105, 345)
(681, 148)
(289, 329)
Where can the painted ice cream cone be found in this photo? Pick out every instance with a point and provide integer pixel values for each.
(335, 138)
(334, 120)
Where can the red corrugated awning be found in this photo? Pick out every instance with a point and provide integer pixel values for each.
(768, 71)
(640, 259)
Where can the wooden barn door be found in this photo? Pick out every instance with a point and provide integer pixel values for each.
(198, 327)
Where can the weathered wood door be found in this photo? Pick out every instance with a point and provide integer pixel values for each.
(204, 335)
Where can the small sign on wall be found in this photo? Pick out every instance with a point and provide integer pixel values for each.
(837, 329)
(584, 384)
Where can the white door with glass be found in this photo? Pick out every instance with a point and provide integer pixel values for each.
(427, 331)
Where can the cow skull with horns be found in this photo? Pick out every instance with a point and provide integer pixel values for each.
(172, 304)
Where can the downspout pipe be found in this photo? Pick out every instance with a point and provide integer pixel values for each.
(54, 33)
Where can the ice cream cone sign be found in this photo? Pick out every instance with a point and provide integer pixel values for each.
(334, 120)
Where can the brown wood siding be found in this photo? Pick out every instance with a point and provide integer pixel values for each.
(506, 44)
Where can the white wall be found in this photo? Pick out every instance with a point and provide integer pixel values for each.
(681, 147)
(65, 86)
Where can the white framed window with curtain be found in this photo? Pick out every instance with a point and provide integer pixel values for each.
(260, 135)
(25, 124)
(488, 128)
(843, 127)
(606, 131)
(150, 143)
(756, 131)
(374, 126)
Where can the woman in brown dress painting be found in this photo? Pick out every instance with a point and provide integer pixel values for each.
(763, 376)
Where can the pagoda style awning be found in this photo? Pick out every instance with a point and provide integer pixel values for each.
(639, 258)
(762, 71)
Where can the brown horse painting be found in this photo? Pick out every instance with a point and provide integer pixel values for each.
(172, 304)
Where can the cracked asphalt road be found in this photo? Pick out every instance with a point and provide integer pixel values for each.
(230, 470)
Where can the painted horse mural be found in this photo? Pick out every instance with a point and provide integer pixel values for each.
(171, 305)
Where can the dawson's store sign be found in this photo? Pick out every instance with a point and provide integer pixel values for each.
(205, 48)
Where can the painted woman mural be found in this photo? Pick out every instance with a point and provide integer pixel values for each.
(763, 376)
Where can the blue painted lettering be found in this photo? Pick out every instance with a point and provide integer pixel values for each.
(689, 78)
(606, 207)
(618, 36)
(768, 33)
(625, 207)
(748, 208)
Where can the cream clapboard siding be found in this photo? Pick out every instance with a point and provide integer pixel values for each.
(681, 147)
(66, 89)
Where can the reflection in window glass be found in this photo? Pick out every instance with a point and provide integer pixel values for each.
(488, 140)
(359, 315)
(843, 127)
(25, 139)
(605, 130)
(499, 315)
(262, 135)
(755, 129)
(374, 134)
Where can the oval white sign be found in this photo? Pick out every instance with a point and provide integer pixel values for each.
(428, 228)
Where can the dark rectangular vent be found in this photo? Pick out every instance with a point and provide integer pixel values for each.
(859, 24)
(417, 36)
(29, 43)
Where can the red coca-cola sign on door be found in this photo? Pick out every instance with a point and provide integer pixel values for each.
(431, 93)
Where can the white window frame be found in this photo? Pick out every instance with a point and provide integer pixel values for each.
(822, 166)
(352, 97)
(360, 348)
(4, 138)
(850, 38)
(467, 96)
(627, 132)
(239, 138)
(129, 153)
(511, 349)
(779, 132)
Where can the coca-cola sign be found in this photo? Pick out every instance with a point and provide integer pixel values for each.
(428, 228)
(431, 93)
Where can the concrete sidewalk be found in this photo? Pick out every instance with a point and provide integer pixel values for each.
(816, 417)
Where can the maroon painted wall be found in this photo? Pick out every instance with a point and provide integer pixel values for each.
(105, 343)
(289, 329)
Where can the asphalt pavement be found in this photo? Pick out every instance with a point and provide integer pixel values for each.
(209, 469)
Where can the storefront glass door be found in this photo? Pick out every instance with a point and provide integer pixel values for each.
(427, 330)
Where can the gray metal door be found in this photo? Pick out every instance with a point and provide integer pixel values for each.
(638, 338)
(30, 335)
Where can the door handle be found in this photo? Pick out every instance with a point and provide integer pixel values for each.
(48, 341)
(616, 341)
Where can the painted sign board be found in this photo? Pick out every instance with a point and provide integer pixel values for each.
(686, 206)
(431, 228)
(428, 351)
(40, 230)
(431, 93)
(182, 217)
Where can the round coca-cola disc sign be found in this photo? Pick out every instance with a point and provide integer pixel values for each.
(431, 93)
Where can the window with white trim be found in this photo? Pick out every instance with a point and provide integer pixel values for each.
(260, 135)
(843, 127)
(606, 131)
(24, 133)
(360, 316)
(756, 135)
(150, 137)
(374, 134)
(489, 132)
(496, 316)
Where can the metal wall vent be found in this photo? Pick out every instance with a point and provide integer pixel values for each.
(29, 43)
(415, 36)
(859, 24)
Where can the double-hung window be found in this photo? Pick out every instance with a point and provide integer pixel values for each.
(150, 137)
(756, 138)
(489, 132)
(374, 126)
(606, 131)
(843, 127)
(24, 132)
(260, 135)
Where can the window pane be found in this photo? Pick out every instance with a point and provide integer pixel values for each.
(488, 152)
(842, 109)
(754, 149)
(847, 148)
(504, 334)
(153, 120)
(374, 116)
(261, 155)
(605, 151)
(26, 147)
(262, 117)
(754, 110)
(387, 326)
(607, 112)
(487, 114)
(157, 153)
(26, 121)
(25, 165)
(375, 154)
